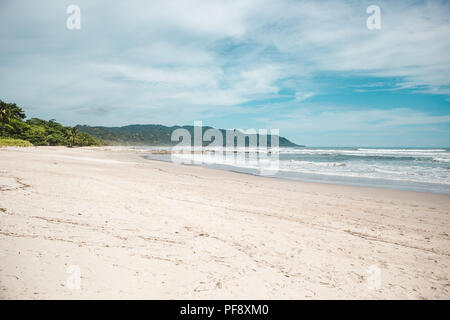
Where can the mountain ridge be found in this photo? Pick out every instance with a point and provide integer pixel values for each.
(154, 134)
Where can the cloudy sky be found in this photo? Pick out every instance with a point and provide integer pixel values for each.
(309, 68)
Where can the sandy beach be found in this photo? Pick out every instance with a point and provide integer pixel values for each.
(145, 229)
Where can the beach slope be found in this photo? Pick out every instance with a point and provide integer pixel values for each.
(135, 228)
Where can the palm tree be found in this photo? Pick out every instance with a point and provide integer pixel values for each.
(72, 136)
(5, 116)
(16, 112)
(84, 141)
(9, 111)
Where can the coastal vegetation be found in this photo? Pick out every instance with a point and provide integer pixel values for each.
(14, 142)
(16, 130)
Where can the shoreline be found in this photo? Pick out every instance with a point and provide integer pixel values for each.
(336, 180)
(334, 184)
(141, 228)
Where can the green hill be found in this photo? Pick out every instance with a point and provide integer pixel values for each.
(151, 134)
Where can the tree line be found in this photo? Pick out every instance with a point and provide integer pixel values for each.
(13, 125)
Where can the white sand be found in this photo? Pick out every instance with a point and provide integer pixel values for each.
(145, 229)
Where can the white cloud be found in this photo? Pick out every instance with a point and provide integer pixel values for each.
(189, 59)
(413, 42)
(358, 120)
(301, 96)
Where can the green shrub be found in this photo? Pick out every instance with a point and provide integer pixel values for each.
(14, 142)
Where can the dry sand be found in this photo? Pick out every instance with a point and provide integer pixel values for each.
(145, 229)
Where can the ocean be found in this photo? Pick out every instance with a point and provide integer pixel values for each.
(416, 169)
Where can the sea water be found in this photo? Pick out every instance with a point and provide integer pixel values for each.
(417, 169)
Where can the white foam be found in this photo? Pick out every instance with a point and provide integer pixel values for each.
(426, 165)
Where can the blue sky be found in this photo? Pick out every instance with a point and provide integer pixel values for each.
(309, 68)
